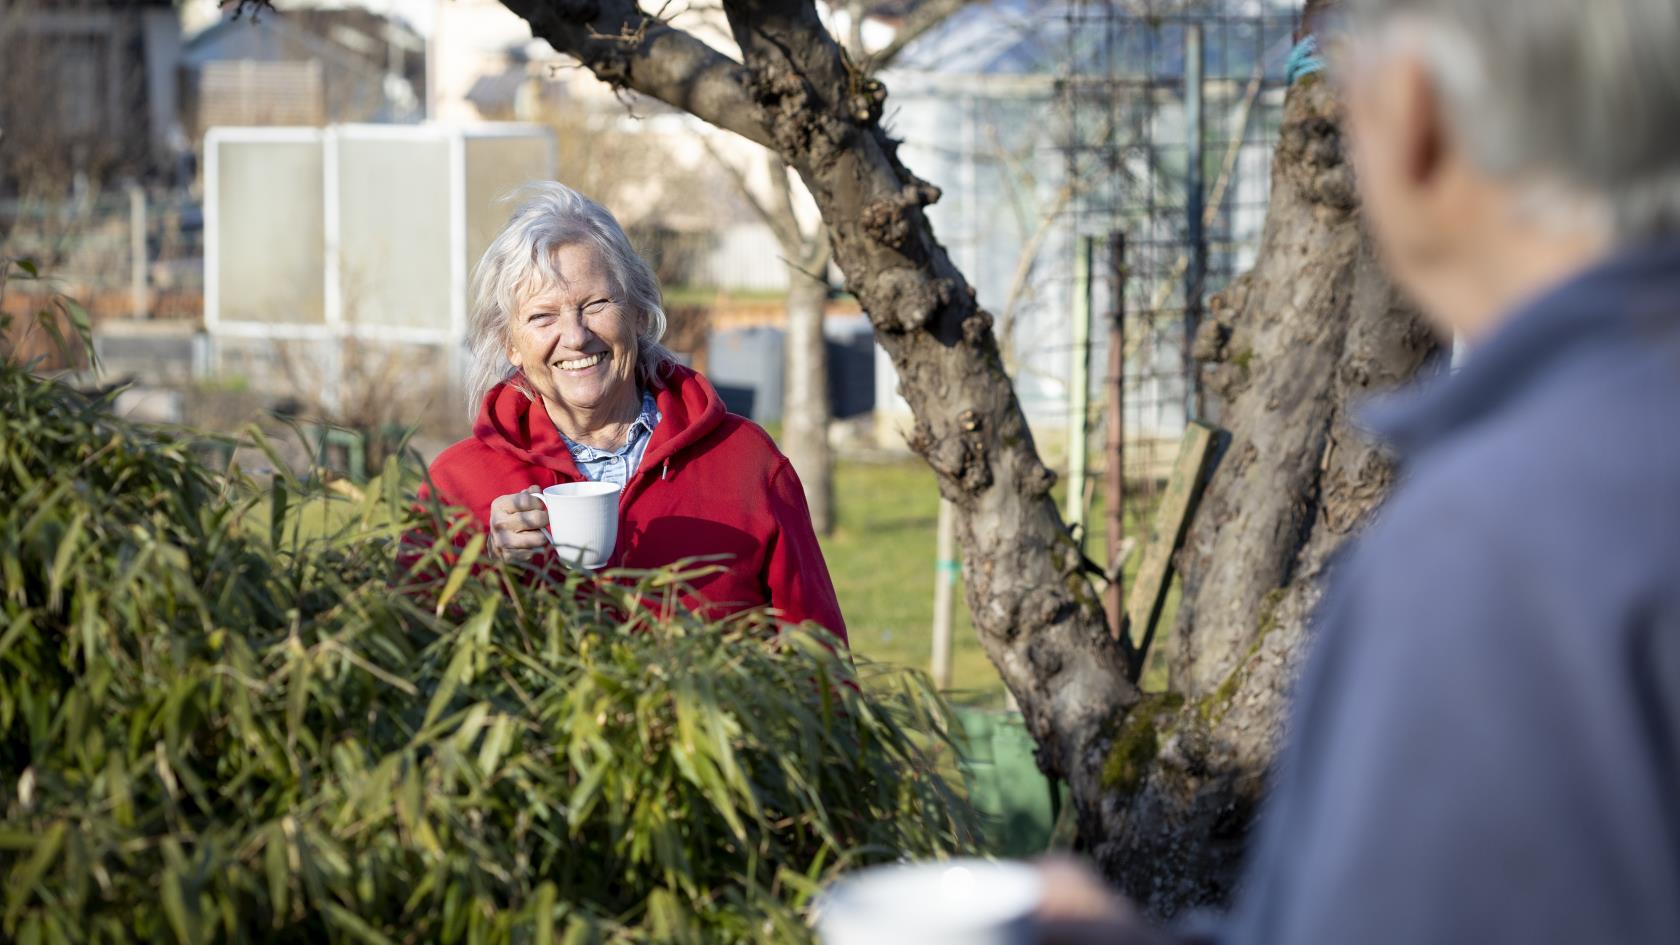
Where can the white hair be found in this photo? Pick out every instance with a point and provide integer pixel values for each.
(1576, 100)
(520, 261)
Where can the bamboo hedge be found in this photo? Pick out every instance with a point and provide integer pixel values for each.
(222, 720)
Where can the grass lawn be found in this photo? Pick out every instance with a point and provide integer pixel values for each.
(881, 557)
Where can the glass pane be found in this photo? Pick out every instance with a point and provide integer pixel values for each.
(394, 231)
(271, 243)
(496, 166)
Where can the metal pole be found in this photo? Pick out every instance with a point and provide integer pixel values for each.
(1079, 393)
(137, 249)
(1114, 476)
(944, 586)
(1196, 272)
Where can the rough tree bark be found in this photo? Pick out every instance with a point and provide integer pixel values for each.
(1290, 350)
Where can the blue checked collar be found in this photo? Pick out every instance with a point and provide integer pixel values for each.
(617, 465)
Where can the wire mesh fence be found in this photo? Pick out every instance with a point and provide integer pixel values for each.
(1170, 113)
(1058, 130)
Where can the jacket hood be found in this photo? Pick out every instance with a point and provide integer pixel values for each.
(513, 424)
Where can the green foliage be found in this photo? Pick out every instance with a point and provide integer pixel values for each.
(218, 723)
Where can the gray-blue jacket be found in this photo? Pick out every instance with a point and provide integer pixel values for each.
(1485, 746)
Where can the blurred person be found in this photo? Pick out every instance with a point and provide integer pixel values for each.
(569, 382)
(1485, 741)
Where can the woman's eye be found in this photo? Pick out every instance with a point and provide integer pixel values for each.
(542, 318)
(596, 306)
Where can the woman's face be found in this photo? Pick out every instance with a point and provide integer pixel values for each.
(574, 339)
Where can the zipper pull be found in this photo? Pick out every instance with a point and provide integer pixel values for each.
(666, 469)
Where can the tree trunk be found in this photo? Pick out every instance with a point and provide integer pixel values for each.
(805, 411)
(1290, 349)
(1036, 613)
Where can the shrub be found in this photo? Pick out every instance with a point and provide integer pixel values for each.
(222, 719)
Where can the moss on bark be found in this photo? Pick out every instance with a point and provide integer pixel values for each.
(1139, 739)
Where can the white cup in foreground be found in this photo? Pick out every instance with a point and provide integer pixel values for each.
(950, 902)
(582, 521)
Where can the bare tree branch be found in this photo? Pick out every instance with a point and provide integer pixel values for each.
(796, 243)
(628, 49)
(924, 18)
(744, 189)
(812, 249)
(1024, 263)
(856, 12)
(253, 8)
(818, 254)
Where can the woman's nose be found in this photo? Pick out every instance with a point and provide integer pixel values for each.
(573, 333)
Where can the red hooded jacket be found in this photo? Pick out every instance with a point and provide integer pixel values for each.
(710, 483)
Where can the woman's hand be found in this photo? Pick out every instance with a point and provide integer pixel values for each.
(518, 525)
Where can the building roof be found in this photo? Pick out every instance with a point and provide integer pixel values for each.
(1035, 37)
(341, 36)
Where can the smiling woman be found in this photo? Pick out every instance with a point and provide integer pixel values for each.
(569, 383)
(577, 348)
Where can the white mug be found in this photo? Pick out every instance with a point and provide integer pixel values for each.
(948, 902)
(582, 521)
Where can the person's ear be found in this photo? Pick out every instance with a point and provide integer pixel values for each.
(1420, 115)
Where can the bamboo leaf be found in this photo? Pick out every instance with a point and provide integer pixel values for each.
(17, 840)
(67, 546)
(459, 666)
(544, 919)
(358, 928)
(181, 921)
(277, 499)
(279, 877)
(578, 932)
(24, 881)
(495, 742)
(83, 323)
(458, 575)
(297, 695)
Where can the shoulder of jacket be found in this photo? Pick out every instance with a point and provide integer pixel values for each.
(464, 459)
(746, 442)
(460, 449)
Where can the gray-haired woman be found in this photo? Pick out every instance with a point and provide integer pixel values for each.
(569, 382)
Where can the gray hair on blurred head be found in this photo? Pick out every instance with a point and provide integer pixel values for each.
(520, 261)
(1577, 100)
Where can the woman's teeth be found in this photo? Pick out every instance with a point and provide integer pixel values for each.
(582, 363)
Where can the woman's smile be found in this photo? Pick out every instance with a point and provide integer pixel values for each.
(576, 345)
(578, 365)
